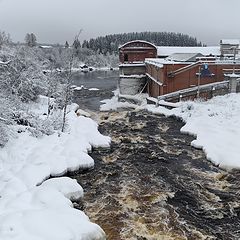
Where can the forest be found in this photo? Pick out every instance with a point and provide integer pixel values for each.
(110, 43)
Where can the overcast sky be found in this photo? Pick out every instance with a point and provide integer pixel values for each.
(55, 21)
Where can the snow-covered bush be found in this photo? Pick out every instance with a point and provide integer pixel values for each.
(4, 38)
(48, 126)
(21, 81)
(7, 106)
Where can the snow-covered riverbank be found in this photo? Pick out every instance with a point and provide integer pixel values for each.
(33, 208)
(215, 123)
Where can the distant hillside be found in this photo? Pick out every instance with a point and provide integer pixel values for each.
(110, 43)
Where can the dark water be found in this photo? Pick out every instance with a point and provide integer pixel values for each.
(151, 184)
(105, 81)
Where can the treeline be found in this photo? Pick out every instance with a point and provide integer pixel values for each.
(110, 43)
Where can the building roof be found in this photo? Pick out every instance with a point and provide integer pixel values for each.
(206, 51)
(184, 57)
(159, 62)
(230, 41)
(137, 41)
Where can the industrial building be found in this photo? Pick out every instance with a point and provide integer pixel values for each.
(163, 70)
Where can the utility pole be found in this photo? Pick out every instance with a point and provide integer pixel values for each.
(199, 81)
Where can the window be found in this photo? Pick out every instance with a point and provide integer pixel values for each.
(125, 57)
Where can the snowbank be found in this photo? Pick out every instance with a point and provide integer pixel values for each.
(113, 104)
(215, 123)
(32, 208)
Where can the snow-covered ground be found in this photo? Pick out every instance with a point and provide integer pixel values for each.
(33, 208)
(114, 103)
(215, 123)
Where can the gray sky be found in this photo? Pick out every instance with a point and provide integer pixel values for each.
(59, 20)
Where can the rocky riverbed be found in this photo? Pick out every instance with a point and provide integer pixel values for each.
(153, 185)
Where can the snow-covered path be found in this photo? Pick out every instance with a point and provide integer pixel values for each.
(34, 209)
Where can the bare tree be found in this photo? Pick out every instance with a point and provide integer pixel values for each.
(69, 81)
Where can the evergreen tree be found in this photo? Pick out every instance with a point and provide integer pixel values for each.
(66, 44)
(76, 46)
(110, 43)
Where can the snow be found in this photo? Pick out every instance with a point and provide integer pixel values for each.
(33, 208)
(230, 41)
(133, 64)
(79, 88)
(137, 41)
(93, 89)
(113, 104)
(159, 62)
(232, 75)
(133, 76)
(81, 112)
(75, 88)
(169, 104)
(46, 46)
(109, 68)
(4, 63)
(167, 51)
(215, 123)
(184, 57)
(40, 107)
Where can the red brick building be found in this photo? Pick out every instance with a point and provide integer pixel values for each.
(167, 77)
(137, 51)
(163, 70)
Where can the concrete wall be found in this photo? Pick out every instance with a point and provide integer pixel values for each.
(131, 85)
(132, 69)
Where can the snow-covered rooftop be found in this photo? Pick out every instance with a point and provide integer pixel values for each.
(135, 41)
(136, 64)
(230, 41)
(167, 51)
(184, 57)
(160, 61)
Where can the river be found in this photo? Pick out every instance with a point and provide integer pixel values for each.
(152, 185)
(105, 81)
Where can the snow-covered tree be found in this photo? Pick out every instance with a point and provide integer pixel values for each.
(4, 38)
(66, 44)
(31, 39)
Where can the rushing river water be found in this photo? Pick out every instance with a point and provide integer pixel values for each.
(153, 185)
